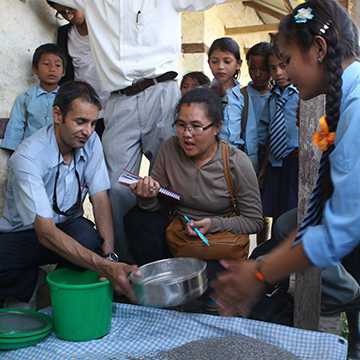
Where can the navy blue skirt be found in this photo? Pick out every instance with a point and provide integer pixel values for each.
(280, 190)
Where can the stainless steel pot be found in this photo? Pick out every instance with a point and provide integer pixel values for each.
(170, 282)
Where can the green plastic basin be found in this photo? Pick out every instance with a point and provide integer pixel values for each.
(82, 304)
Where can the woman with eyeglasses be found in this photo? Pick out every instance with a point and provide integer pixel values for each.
(191, 163)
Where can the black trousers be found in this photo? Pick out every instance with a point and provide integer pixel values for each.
(21, 254)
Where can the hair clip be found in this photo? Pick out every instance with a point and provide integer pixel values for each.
(303, 15)
(325, 28)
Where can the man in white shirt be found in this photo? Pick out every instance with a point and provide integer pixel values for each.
(136, 45)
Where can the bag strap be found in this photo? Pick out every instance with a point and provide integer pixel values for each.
(244, 114)
(26, 113)
(264, 156)
(229, 181)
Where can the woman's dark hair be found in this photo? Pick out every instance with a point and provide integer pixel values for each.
(198, 76)
(226, 44)
(260, 49)
(48, 49)
(73, 90)
(332, 22)
(206, 97)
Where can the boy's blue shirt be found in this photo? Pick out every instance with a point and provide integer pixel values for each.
(231, 129)
(258, 99)
(290, 113)
(31, 111)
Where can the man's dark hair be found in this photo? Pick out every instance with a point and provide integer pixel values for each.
(73, 90)
(206, 97)
(48, 49)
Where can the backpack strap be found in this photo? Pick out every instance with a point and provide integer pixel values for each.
(244, 115)
(225, 152)
(26, 112)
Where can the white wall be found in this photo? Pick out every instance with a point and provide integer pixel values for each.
(24, 25)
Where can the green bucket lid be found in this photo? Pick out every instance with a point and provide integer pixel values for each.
(23, 323)
(20, 342)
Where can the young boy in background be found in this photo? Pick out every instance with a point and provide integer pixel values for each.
(259, 88)
(32, 110)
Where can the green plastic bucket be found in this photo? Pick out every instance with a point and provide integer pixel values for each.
(82, 304)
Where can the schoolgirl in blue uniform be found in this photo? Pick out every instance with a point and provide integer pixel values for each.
(225, 62)
(278, 136)
(321, 45)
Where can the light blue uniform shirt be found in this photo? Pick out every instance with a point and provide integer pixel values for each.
(231, 129)
(31, 111)
(339, 232)
(290, 113)
(31, 179)
(258, 100)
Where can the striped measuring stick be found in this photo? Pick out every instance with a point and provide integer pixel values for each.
(128, 178)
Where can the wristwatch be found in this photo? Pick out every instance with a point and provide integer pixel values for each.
(112, 256)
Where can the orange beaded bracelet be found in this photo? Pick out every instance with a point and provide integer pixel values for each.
(260, 276)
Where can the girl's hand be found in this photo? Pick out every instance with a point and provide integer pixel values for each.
(203, 225)
(146, 188)
(237, 289)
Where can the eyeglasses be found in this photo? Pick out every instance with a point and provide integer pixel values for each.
(77, 207)
(193, 129)
(64, 14)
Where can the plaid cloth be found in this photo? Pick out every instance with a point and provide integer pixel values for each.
(138, 331)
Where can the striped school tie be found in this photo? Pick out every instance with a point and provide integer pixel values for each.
(278, 132)
(317, 199)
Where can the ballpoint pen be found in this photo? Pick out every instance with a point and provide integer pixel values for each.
(203, 238)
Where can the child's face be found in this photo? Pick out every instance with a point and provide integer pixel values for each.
(278, 71)
(305, 71)
(224, 65)
(259, 71)
(49, 70)
(188, 84)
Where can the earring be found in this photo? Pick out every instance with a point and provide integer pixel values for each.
(319, 60)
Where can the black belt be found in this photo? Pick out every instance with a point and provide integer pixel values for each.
(143, 84)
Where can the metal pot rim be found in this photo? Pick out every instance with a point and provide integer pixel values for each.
(140, 280)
